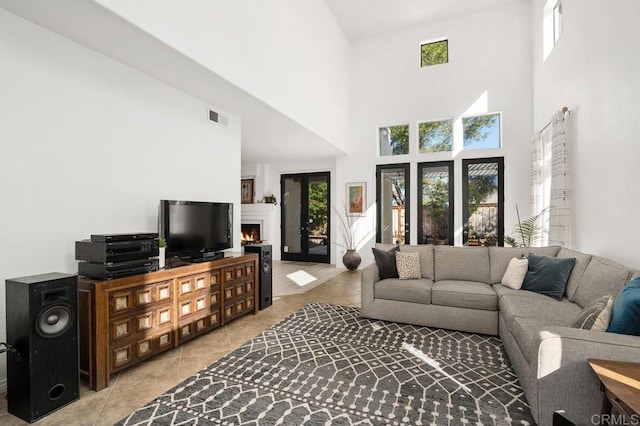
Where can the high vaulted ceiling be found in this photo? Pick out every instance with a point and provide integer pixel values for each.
(365, 18)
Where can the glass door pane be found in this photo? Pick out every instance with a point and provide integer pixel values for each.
(291, 219)
(435, 203)
(392, 203)
(483, 201)
(318, 217)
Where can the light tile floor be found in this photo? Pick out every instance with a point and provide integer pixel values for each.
(137, 385)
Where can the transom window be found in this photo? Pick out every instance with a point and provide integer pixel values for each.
(434, 53)
(481, 131)
(557, 21)
(394, 140)
(435, 136)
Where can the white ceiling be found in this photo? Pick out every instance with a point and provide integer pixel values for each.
(366, 18)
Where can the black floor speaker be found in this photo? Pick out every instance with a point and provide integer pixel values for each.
(42, 326)
(265, 274)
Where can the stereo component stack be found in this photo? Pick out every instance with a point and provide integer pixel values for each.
(108, 256)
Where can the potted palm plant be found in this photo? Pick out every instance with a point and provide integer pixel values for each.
(527, 232)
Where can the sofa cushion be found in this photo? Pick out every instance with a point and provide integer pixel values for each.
(408, 265)
(626, 310)
(462, 263)
(464, 294)
(582, 261)
(499, 258)
(601, 277)
(418, 291)
(515, 273)
(386, 261)
(548, 275)
(560, 313)
(426, 258)
(596, 315)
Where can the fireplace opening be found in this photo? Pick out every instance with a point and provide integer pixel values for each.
(250, 234)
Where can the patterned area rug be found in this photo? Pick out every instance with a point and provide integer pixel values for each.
(326, 365)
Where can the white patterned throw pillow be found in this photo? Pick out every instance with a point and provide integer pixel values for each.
(408, 265)
(515, 273)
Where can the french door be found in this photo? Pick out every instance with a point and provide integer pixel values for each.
(392, 203)
(305, 229)
(483, 201)
(435, 202)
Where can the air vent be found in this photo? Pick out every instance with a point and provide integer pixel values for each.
(218, 118)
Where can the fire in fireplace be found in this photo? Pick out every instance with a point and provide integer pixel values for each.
(250, 233)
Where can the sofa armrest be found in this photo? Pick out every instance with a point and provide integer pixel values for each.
(564, 378)
(370, 275)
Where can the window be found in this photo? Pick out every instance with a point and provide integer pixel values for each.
(435, 203)
(483, 201)
(481, 131)
(434, 53)
(435, 136)
(392, 203)
(557, 21)
(394, 140)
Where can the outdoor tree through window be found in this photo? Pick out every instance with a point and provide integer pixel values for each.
(394, 140)
(435, 136)
(434, 53)
(481, 131)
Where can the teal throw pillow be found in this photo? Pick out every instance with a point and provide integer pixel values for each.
(626, 310)
(386, 261)
(548, 275)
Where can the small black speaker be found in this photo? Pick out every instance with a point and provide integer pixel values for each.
(42, 326)
(265, 274)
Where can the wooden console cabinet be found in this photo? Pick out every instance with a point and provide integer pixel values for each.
(126, 320)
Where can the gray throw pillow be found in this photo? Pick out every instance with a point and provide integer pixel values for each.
(386, 261)
(548, 275)
(596, 315)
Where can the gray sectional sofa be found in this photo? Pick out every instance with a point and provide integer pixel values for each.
(460, 289)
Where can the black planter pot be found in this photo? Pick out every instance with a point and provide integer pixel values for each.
(351, 260)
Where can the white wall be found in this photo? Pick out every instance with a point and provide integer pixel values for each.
(594, 70)
(267, 181)
(291, 54)
(89, 146)
(489, 53)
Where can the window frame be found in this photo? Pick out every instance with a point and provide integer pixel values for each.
(451, 120)
(558, 28)
(451, 216)
(379, 148)
(465, 196)
(407, 199)
(500, 145)
(431, 42)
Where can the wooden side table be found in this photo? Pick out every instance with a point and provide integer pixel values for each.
(620, 382)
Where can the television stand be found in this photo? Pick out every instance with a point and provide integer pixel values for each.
(124, 321)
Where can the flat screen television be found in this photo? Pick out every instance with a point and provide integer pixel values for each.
(195, 229)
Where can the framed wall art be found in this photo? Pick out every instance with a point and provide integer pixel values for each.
(356, 198)
(246, 191)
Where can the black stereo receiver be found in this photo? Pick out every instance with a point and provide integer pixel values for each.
(116, 251)
(109, 238)
(108, 271)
